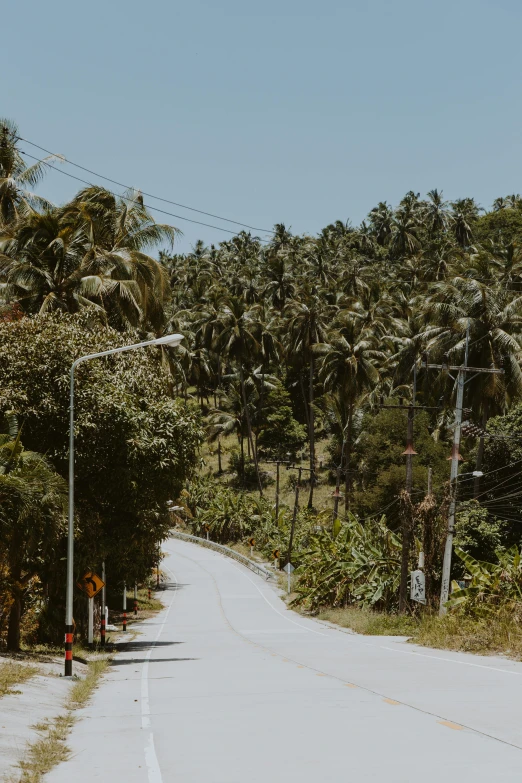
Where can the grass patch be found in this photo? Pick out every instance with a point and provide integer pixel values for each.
(368, 622)
(145, 604)
(83, 689)
(51, 748)
(498, 632)
(13, 674)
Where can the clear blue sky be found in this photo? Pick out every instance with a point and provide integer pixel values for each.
(293, 111)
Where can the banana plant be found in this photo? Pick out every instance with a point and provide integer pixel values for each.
(354, 563)
(492, 584)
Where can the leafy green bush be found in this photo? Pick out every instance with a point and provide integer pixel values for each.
(355, 564)
(245, 471)
(477, 533)
(492, 584)
(282, 434)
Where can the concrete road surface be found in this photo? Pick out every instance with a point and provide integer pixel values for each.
(227, 685)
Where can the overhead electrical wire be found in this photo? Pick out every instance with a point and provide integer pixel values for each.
(149, 195)
(124, 198)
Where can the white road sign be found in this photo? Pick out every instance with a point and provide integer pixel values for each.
(289, 568)
(418, 587)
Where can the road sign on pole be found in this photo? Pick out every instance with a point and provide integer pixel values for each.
(91, 584)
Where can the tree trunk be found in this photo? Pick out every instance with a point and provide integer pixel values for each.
(249, 429)
(311, 433)
(220, 469)
(13, 632)
(347, 475)
(301, 382)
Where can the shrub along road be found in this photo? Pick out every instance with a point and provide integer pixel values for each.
(227, 685)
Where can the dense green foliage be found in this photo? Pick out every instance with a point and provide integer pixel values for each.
(289, 342)
(135, 445)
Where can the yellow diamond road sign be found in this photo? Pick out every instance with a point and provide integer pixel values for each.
(91, 584)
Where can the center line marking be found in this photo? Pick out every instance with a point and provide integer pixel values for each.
(450, 725)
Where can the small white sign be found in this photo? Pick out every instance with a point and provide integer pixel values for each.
(289, 568)
(418, 587)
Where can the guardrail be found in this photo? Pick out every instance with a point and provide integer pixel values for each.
(225, 550)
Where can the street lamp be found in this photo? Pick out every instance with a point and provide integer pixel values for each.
(169, 339)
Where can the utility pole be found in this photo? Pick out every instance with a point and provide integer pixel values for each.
(277, 463)
(337, 495)
(300, 471)
(462, 371)
(294, 515)
(409, 453)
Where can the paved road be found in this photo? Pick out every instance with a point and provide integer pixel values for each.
(227, 685)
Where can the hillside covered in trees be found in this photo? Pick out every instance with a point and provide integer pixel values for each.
(294, 347)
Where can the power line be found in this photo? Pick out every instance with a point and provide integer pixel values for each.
(124, 198)
(151, 195)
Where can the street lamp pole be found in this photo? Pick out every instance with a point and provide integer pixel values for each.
(169, 339)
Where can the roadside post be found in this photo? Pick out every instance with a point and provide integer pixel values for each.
(102, 614)
(124, 607)
(90, 622)
(418, 586)
(275, 554)
(252, 542)
(135, 599)
(289, 568)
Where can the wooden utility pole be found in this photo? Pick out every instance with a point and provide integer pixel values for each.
(300, 471)
(294, 515)
(409, 453)
(277, 463)
(336, 495)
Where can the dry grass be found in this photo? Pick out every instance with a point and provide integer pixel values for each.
(11, 674)
(51, 747)
(83, 689)
(322, 492)
(497, 632)
(368, 622)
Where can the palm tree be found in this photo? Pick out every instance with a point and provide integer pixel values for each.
(495, 323)
(237, 339)
(15, 177)
(90, 253)
(306, 327)
(348, 370)
(436, 216)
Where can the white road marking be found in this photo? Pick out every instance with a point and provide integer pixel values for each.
(151, 759)
(452, 660)
(289, 630)
(288, 619)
